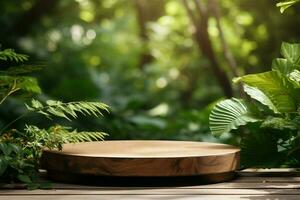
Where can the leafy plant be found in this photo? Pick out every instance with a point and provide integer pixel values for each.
(20, 150)
(275, 106)
(12, 79)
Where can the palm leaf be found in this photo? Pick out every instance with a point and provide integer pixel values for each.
(230, 114)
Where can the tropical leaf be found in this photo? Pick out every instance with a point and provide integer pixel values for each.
(260, 96)
(271, 89)
(291, 52)
(230, 114)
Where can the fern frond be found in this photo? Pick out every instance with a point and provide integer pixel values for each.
(11, 55)
(86, 136)
(55, 136)
(67, 110)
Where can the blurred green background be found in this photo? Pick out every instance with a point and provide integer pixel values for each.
(159, 64)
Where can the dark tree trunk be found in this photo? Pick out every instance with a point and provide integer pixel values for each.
(147, 10)
(203, 41)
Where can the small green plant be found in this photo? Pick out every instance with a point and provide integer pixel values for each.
(20, 150)
(274, 108)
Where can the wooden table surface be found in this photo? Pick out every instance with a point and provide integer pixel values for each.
(272, 184)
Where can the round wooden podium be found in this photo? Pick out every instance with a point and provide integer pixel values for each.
(141, 159)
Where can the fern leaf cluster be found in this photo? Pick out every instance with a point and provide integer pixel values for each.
(22, 149)
(12, 79)
(55, 136)
(67, 110)
(11, 55)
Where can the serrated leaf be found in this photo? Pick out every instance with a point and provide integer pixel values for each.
(278, 90)
(230, 114)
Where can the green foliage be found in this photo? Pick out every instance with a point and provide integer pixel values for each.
(55, 136)
(271, 89)
(20, 150)
(260, 149)
(67, 110)
(98, 50)
(286, 4)
(230, 114)
(276, 91)
(12, 80)
(11, 55)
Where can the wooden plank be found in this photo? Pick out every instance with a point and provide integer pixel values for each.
(266, 179)
(210, 186)
(154, 191)
(160, 197)
(242, 182)
(273, 172)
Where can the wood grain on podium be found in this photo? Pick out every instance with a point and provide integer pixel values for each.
(147, 158)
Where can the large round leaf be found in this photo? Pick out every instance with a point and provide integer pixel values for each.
(272, 89)
(230, 114)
